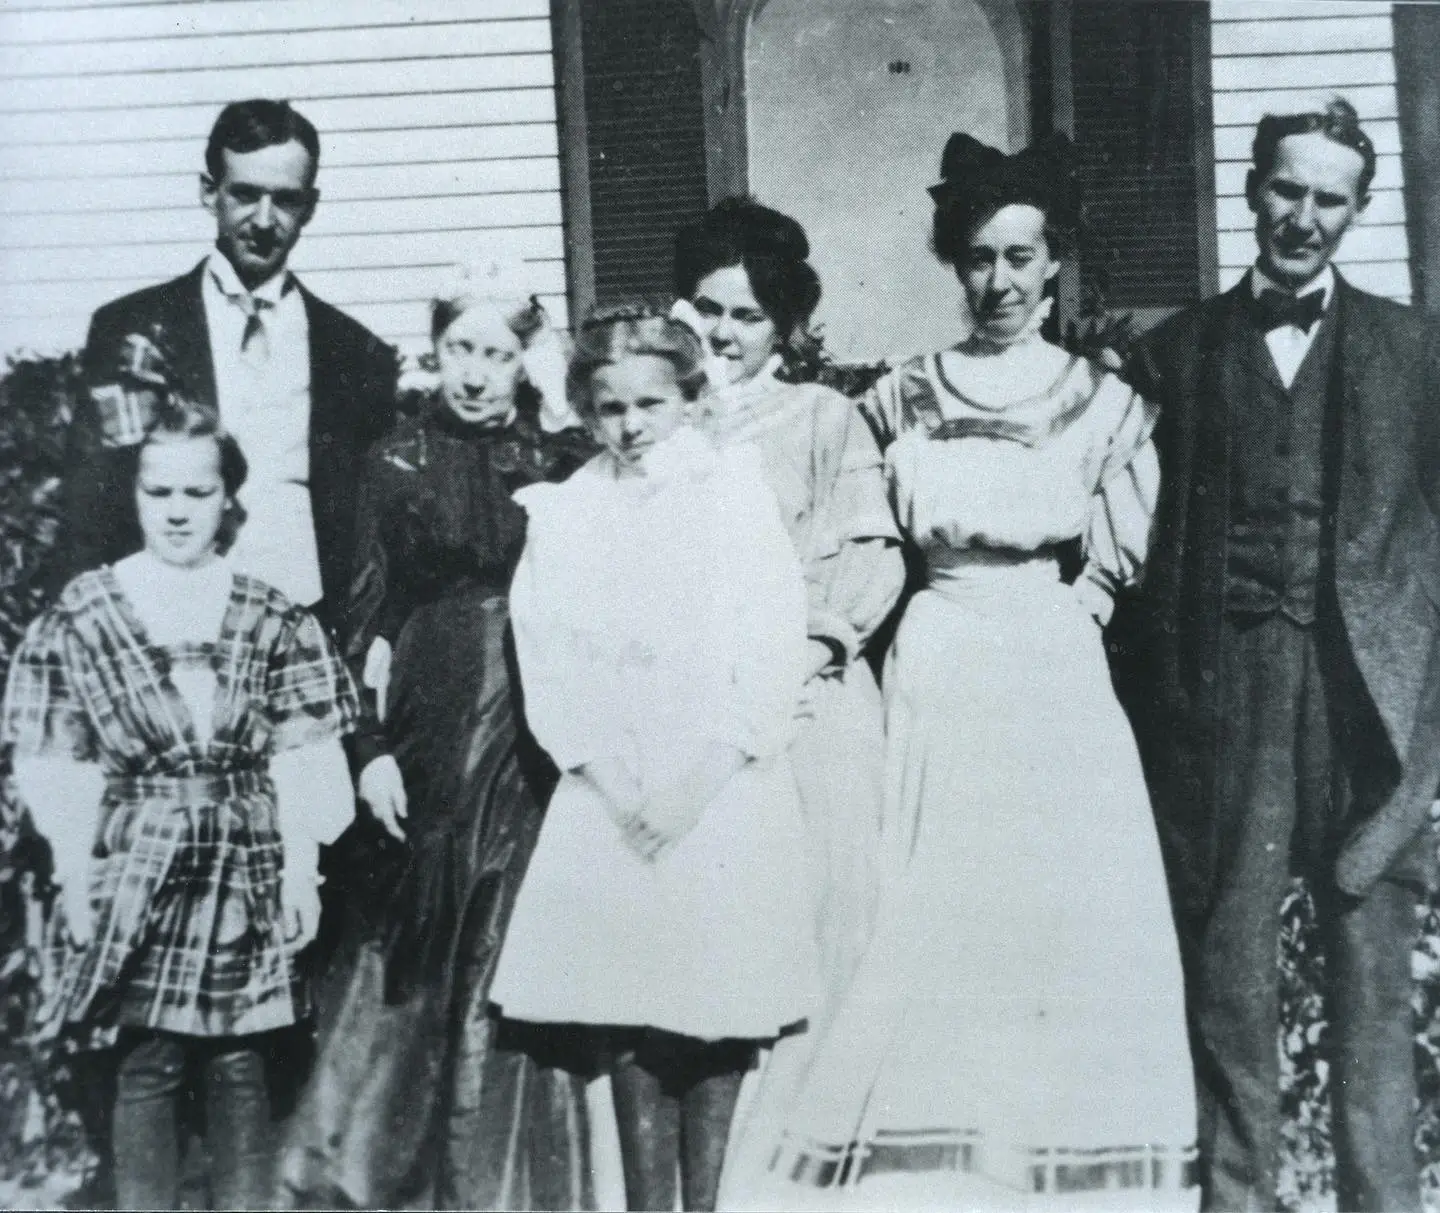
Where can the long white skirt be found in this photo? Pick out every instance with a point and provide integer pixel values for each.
(1018, 1021)
(838, 757)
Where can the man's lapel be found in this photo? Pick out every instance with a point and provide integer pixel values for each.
(1364, 431)
(1359, 342)
(324, 355)
(1234, 354)
(185, 336)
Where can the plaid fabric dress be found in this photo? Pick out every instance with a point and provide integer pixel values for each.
(185, 866)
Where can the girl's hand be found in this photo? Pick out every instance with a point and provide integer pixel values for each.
(664, 819)
(75, 898)
(300, 906)
(618, 789)
(668, 815)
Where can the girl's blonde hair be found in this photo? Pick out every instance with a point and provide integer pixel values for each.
(612, 333)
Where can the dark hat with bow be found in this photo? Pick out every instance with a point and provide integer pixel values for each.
(1042, 175)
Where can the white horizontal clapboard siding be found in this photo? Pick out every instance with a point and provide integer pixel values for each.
(1285, 56)
(438, 136)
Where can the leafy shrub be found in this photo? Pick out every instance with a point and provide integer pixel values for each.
(38, 1132)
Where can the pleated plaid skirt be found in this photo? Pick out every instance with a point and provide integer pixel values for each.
(185, 901)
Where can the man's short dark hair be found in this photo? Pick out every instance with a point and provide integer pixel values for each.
(248, 126)
(1339, 122)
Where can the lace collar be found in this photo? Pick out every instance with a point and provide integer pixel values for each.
(981, 345)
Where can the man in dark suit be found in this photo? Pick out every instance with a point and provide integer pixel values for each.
(240, 332)
(303, 387)
(1281, 662)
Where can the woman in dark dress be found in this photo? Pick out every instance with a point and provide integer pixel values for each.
(408, 1077)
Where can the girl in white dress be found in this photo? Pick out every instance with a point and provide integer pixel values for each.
(1016, 1031)
(660, 624)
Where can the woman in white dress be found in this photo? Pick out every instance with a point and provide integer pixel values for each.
(1016, 1030)
(659, 617)
(744, 271)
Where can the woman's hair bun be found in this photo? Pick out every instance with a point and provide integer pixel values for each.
(771, 246)
(760, 230)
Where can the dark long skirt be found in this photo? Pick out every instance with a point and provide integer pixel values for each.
(411, 1102)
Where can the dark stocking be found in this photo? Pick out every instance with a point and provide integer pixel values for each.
(649, 1123)
(706, 1110)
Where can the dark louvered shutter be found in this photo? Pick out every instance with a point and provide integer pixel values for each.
(1137, 113)
(646, 136)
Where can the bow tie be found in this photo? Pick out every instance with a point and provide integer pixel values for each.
(1275, 309)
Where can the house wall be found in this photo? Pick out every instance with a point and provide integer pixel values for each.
(851, 153)
(1283, 56)
(438, 135)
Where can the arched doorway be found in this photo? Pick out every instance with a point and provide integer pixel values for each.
(849, 103)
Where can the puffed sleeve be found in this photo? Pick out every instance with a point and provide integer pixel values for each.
(574, 700)
(312, 704)
(52, 747)
(763, 606)
(854, 570)
(378, 604)
(880, 406)
(42, 715)
(309, 693)
(1123, 508)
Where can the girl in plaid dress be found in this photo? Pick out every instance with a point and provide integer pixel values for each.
(175, 732)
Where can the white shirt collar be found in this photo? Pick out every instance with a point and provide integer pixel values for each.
(1260, 281)
(224, 276)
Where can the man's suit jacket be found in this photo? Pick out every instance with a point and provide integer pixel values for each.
(352, 403)
(1383, 452)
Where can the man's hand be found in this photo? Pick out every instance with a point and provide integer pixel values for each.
(376, 674)
(382, 788)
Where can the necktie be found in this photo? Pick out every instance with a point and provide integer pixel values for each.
(254, 342)
(1275, 309)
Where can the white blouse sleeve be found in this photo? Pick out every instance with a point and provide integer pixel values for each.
(763, 610)
(63, 795)
(571, 698)
(1123, 508)
(880, 406)
(314, 798)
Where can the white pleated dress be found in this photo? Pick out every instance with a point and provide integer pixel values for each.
(655, 616)
(1016, 1033)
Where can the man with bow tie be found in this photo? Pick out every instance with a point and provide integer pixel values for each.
(304, 388)
(1281, 662)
